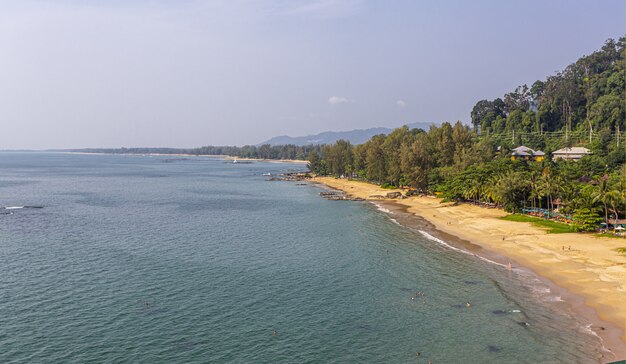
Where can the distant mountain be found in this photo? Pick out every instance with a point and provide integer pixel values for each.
(357, 136)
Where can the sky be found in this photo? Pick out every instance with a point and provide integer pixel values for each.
(188, 73)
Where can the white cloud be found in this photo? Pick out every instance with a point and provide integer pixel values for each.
(336, 100)
(401, 103)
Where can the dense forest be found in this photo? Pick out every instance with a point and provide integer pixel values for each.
(584, 105)
(264, 151)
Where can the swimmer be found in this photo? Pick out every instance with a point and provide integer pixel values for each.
(510, 267)
(274, 333)
(468, 305)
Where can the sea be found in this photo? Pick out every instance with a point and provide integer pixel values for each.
(173, 259)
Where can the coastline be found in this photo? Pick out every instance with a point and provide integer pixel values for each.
(586, 270)
(225, 157)
(228, 157)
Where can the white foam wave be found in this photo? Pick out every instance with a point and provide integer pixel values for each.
(515, 311)
(540, 289)
(554, 298)
(382, 209)
(430, 237)
(13, 207)
(589, 331)
(437, 240)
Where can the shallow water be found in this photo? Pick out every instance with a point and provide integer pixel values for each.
(134, 259)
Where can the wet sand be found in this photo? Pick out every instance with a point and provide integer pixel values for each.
(586, 270)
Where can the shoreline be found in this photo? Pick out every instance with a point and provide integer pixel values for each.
(590, 278)
(222, 156)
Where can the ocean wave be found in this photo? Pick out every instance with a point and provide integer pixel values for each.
(382, 209)
(589, 331)
(432, 238)
(386, 211)
(21, 207)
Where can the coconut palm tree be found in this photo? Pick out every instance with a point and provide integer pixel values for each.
(614, 198)
(548, 187)
(536, 193)
(600, 195)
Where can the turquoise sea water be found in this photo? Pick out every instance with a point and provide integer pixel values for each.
(137, 259)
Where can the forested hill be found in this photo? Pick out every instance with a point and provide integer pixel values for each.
(357, 136)
(586, 99)
(580, 106)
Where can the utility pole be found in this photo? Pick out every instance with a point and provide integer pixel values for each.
(567, 119)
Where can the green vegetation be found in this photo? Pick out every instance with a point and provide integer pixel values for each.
(552, 227)
(388, 186)
(580, 106)
(621, 250)
(264, 151)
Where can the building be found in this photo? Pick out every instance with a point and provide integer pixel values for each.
(570, 154)
(528, 154)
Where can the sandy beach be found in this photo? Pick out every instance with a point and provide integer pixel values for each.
(584, 265)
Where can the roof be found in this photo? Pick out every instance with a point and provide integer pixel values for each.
(574, 150)
(525, 151)
(522, 149)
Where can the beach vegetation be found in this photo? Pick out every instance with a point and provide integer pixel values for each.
(551, 227)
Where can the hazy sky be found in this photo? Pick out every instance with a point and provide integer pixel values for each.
(193, 72)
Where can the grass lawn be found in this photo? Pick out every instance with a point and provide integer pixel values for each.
(552, 227)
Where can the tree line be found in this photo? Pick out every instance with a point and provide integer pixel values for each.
(264, 151)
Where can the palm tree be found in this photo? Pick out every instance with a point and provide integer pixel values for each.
(614, 198)
(535, 188)
(600, 195)
(548, 187)
(490, 190)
